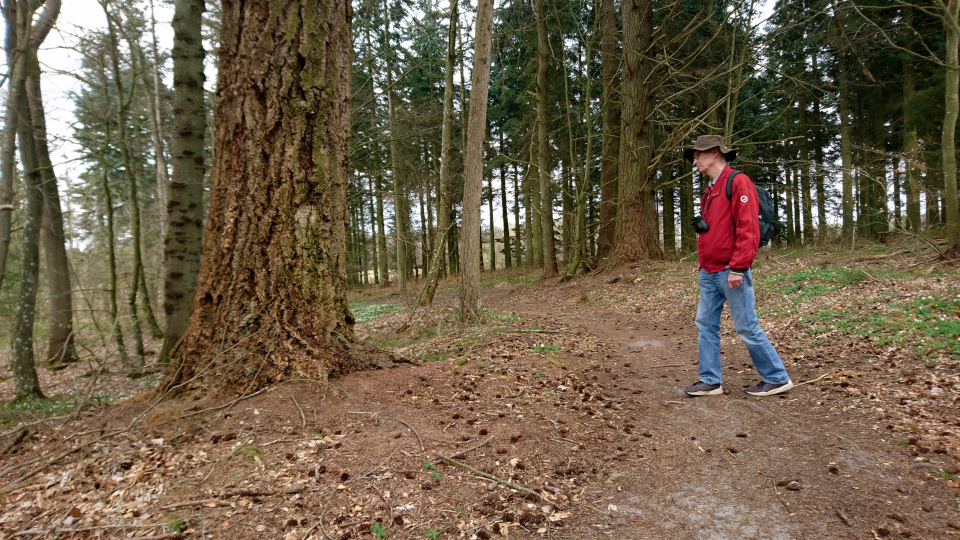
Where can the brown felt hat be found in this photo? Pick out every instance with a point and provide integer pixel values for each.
(706, 142)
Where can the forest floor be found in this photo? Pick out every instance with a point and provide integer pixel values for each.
(562, 416)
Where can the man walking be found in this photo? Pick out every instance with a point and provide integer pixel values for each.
(728, 239)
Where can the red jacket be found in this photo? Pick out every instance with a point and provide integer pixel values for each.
(734, 235)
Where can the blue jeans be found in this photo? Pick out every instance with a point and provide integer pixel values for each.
(714, 291)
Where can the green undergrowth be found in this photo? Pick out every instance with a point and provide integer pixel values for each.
(927, 325)
(838, 300)
(368, 312)
(14, 413)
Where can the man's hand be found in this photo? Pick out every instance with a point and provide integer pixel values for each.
(734, 280)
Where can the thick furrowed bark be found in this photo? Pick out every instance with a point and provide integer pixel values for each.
(271, 299)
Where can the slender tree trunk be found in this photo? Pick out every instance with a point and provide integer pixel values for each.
(446, 136)
(805, 193)
(610, 160)
(374, 238)
(846, 158)
(952, 108)
(8, 138)
(546, 194)
(797, 230)
(473, 165)
(132, 195)
(24, 371)
(637, 233)
(271, 294)
(493, 229)
(533, 187)
(688, 238)
(669, 217)
(155, 109)
(183, 244)
(61, 348)
(517, 196)
(399, 206)
(505, 211)
(788, 207)
(911, 144)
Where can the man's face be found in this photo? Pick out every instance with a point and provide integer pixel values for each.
(705, 160)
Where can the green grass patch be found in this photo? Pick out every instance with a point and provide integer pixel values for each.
(927, 325)
(14, 413)
(523, 279)
(809, 282)
(545, 348)
(368, 312)
(494, 315)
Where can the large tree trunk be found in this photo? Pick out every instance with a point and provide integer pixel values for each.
(610, 160)
(637, 234)
(183, 244)
(271, 294)
(951, 20)
(546, 193)
(473, 165)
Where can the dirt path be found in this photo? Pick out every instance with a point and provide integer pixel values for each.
(569, 392)
(801, 465)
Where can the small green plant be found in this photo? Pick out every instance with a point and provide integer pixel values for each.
(250, 451)
(378, 530)
(545, 348)
(433, 534)
(460, 361)
(537, 373)
(427, 464)
(483, 365)
(436, 476)
(177, 524)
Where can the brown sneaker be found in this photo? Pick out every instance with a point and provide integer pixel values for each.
(701, 388)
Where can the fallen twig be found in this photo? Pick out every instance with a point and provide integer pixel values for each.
(489, 476)
(471, 449)
(303, 417)
(422, 448)
(817, 379)
(198, 502)
(218, 407)
(843, 518)
(94, 528)
(668, 365)
(12, 445)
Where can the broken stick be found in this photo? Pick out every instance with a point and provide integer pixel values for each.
(492, 477)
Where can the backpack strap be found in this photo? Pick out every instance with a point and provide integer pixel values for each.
(730, 184)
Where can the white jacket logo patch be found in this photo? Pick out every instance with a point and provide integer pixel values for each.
(743, 199)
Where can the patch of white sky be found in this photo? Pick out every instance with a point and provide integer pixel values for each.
(59, 59)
